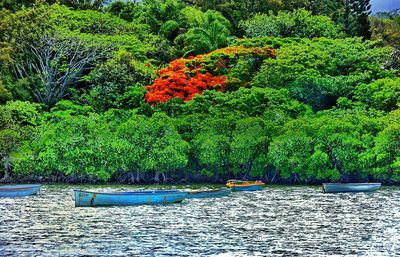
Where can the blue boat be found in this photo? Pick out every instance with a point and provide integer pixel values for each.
(87, 198)
(349, 187)
(19, 190)
(209, 193)
(244, 185)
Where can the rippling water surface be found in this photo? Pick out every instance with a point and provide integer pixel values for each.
(278, 221)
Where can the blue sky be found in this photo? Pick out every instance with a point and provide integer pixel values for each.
(384, 5)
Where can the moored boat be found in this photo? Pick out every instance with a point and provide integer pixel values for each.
(209, 193)
(86, 198)
(19, 190)
(244, 185)
(349, 187)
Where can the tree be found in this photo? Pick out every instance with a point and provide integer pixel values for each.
(16, 120)
(128, 11)
(387, 30)
(331, 8)
(319, 71)
(210, 145)
(223, 69)
(178, 81)
(151, 145)
(75, 148)
(157, 12)
(207, 31)
(115, 83)
(85, 4)
(285, 157)
(188, 27)
(332, 145)
(13, 5)
(76, 4)
(235, 10)
(249, 144)
(245, 102)
(322, 92)
(382, 94)
(5, 95)
(53, 47)
(58, 63)
(355, 18)
(393, 62)
(9, 140)
(387, 153)
(299, 23)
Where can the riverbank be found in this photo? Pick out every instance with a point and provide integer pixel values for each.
(62, 179)
(195, 184)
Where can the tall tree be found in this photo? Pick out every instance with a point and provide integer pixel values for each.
(208, 31)
(355, 18)
(9, 138)
(53, 47)
(58, 63)
(75, 4)
(299, 23)
(16, 119)
(237, 10)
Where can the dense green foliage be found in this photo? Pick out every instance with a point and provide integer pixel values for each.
(321, 70)
(238, 10)
(188, 29)
(386, 29)
(299, 23)
(355, 17)
(197, 90)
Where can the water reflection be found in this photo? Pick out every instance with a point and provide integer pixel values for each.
(286, 221)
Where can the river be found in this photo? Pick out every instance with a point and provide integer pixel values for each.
(278, 221)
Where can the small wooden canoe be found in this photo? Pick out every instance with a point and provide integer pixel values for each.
(19, 190)
(87, 198)
(349, 187)
(244, 185)
(209, 193)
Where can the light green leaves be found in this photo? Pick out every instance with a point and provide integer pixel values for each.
(382, 94)
(299, 23)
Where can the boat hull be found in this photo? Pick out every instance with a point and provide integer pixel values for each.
(349, 187)
(19, 190)
(209, 193)
(244, 185)
(91, 199)
(247, 188)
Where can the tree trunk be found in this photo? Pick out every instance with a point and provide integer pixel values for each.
(216, 177)
(6, 169)
(294, 179)
(164, 177)
(157, 177)
(131, 178)
(248, 168)
(297, 180)
(273, 177)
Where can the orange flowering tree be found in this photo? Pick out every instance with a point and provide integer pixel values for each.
(223, 69)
